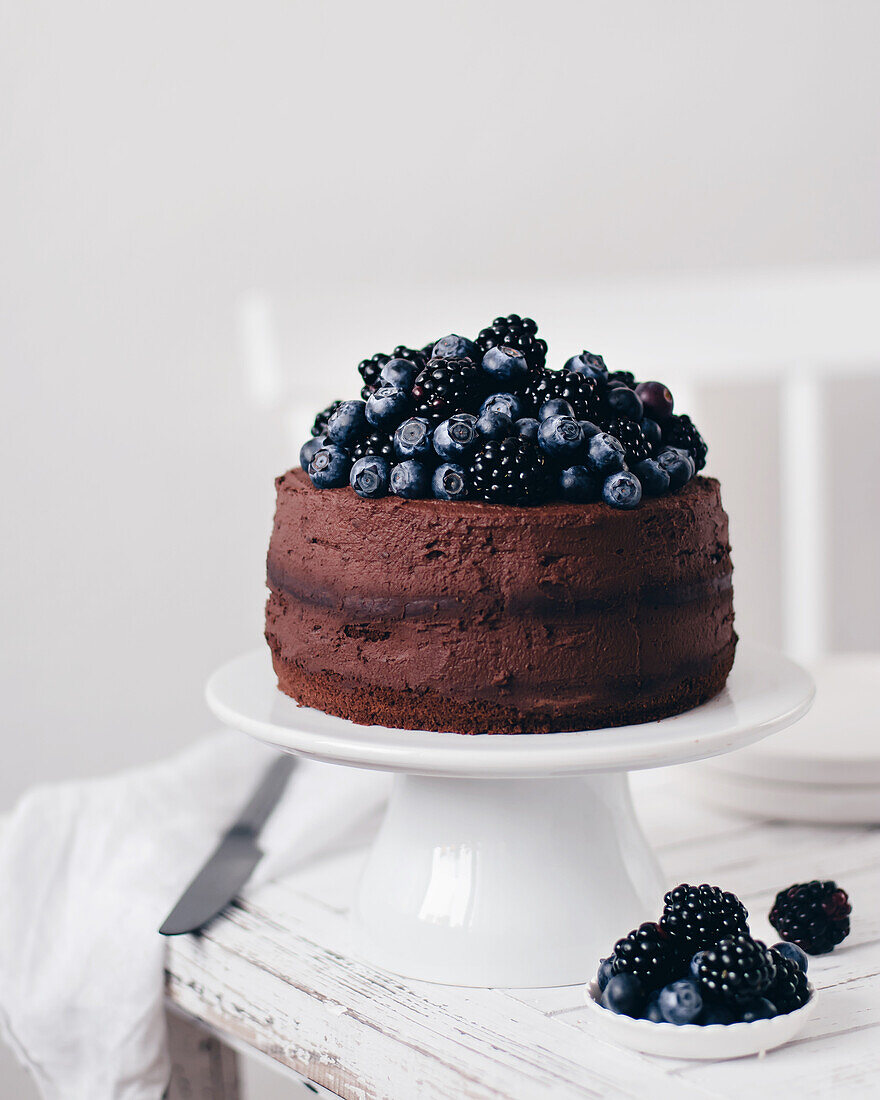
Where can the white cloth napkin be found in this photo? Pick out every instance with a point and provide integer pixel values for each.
(88, 872)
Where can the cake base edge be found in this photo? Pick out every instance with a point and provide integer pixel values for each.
(377, 706)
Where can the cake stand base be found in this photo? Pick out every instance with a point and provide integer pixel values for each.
(504, 882)
(514, 860)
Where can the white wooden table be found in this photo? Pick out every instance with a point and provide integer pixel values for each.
(274, 977)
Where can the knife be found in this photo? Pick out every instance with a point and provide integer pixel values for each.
(233, 860)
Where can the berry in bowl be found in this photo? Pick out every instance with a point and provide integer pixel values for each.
(697, 984)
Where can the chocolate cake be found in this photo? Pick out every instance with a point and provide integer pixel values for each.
(481, 618)
(470, 549)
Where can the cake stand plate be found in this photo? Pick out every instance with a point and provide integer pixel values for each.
(512, 860)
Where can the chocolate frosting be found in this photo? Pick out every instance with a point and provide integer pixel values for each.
(488, 618)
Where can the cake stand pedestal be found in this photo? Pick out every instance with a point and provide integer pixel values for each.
(512, 860)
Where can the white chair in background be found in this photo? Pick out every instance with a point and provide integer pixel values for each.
(826, 768)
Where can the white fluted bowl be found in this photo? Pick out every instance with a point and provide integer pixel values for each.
(714, 1042)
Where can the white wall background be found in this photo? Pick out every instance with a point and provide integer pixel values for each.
(161, 160)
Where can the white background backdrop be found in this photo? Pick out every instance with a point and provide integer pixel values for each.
(161, 161)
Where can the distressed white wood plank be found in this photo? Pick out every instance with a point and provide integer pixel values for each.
(276, 975)
(549, 1001)
(846, 1064)
(306, 1003)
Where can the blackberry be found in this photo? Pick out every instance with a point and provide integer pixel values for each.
(377, 443)
(650, 955)
(515, 332)
(415, 355)
(509, 471)
(736, 970)
(700, 916)
(631, 436)
(814, 915)
(578, 390)
(369, 370)
(320, 425)
(625, 376)
(790, 989)
(679, 431)
(447, 386)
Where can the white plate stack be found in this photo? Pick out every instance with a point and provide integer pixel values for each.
(826, 768)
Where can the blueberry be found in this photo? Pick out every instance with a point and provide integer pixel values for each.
(495, 425)
(589, 428)
(654, 479)
(413, 439)
(456, 438)
(695, 965)
(603, 976)
(604, 454)
(527, 428)
(656, 400)
(578, 485)
(310, 448)
(593, 366)
(329, 467)
(716, 1013)
(794, 953)
(556, 406)
(387, 405)
(652, 432)
(759, 1009)
(623, 402)
(370, 476)
(680, 1002)
(450, 482)
(560, 437)
(652, 1010)
(503, 402)
(624, 995)
(456, 347)
(410, 479)
(399, 372)
(504, 364)
(622, 490)
(347, 423)
(679, 466)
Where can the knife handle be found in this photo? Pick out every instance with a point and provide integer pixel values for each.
(264, 799)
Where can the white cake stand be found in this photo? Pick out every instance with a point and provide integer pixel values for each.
(509, 860)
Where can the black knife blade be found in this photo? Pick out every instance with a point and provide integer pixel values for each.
(233, 860)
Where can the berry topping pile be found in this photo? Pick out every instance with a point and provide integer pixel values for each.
(699, 964)
(485, 419)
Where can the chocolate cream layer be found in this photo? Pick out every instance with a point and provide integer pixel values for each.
(478, 617)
